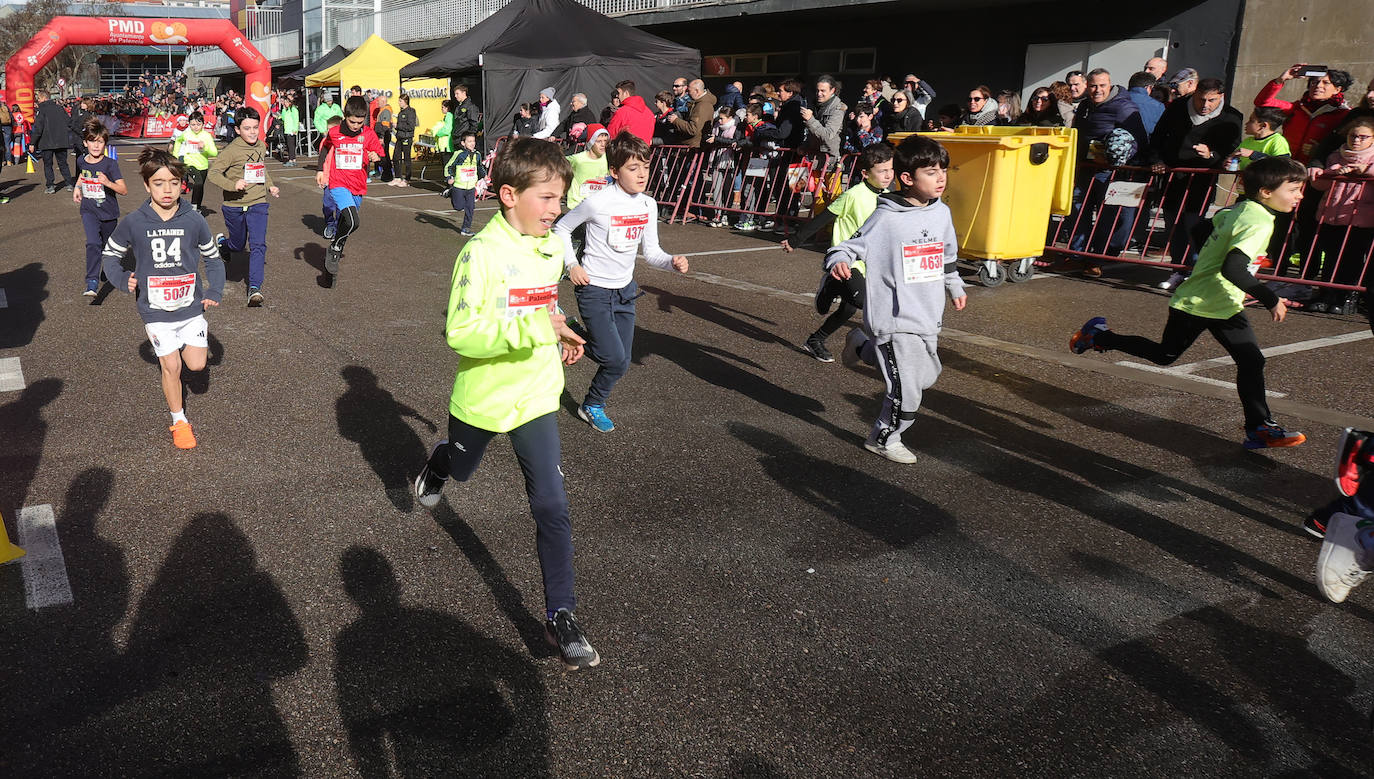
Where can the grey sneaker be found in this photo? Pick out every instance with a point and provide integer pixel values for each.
(563, 632)
(895, 451)
(428, 487)
(254, 297)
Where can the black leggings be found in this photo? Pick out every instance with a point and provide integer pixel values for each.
(195, 179)
(1234, 334)
(851, 301)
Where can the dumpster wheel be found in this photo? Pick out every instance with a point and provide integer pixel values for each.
(1021, 270)
(991, 273)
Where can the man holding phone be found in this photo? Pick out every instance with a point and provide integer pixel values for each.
(1321, 109)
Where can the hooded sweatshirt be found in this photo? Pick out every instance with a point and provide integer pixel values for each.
(167, 256)
(911, 255)
(635, 116)
(239, 160)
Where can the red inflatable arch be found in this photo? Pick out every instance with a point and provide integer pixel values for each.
(65, 31)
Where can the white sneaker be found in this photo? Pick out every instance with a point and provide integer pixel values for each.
(1345, 559)
(1174, 280)
(850, 355)
(895, 451)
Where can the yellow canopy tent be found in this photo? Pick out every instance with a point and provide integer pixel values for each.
(376, 65)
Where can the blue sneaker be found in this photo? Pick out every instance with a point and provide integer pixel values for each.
(1270, 436)
(92, 286)
(1083, 340)
(596, 417)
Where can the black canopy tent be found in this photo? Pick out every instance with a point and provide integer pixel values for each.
(334, 55)
(532, 44)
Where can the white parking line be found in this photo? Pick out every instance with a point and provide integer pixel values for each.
(774, 247)
(1274, 351)
(45, 570)
(11, 375)
(393, 197)
(1201, 379)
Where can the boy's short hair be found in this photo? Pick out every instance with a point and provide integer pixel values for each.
(626, 86)
(466, 134)
(876, 154)
(524, 162)
(246, 113)
(916, 152)
(1271, 173)
(151, 160)
(334, 121)
(1274, 117)
(93, 130)
(624, 147)
(355, 108)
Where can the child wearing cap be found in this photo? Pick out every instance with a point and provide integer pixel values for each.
(590, 172)
(194, 147)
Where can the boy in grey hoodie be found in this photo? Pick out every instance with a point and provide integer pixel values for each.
(911, 251)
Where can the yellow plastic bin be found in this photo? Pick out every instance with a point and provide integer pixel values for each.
(1004, 182)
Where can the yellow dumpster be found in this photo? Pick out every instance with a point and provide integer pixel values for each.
(1004, 182)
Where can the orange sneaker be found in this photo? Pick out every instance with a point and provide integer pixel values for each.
(182, 437)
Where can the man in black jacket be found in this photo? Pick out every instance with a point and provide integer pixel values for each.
(405, 136)
(466, 117)
(580, 114)
(52, 138)
(1198, 131)
(80, 113)
(791, 127)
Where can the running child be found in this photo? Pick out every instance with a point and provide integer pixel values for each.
(1213, 298)
(504, 324)
(463, 171)
(331, 214)
(195, 146)
(911, 253)
(847, 214)
(590, 172)
(619, 220)
(98, 182)
(241, 171)
(1263, 138)
(168, 240)
(349, 147)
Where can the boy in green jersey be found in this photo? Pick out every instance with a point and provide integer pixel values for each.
(1213, 298)
(504, 323)
(847, 213)
(1263, 138)
(590, 171)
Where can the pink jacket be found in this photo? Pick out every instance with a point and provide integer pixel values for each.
(1348, 202)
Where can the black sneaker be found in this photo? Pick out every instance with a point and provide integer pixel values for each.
(254, 297)
(428, 486)
(563, 632)
(331, 261)
(1315, 524)
(816, 348)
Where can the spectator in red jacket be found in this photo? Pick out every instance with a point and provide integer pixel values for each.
(632, 115)
(1321, 109)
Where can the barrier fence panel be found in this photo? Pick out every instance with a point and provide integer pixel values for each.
(1158, 217)
(673, 177)
(755, 185)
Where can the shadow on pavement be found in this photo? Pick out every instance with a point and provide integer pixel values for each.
(23, 430)
(192, 693)
(731, 319)
(422, 693)
(372, 418)
(25, 290)
(313, 255)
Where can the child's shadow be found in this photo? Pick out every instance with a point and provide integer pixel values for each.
(313, 254)
(314, 222)
(434, 220)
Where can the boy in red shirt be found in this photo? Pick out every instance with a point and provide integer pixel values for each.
(350, 147)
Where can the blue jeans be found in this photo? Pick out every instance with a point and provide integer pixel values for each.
(609, 316)
(247, 227)
(98, 231)
(464, 200)
(539, 451)
(331, 211)
(1089, 194)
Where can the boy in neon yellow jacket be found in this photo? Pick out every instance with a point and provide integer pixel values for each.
(195, 147)
(504, 323)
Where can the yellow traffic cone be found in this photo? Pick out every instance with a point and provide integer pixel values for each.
(29, 157)
(8, 551)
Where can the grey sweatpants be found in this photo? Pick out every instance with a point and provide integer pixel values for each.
(909, 365)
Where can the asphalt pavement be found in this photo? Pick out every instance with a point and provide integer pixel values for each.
(1085, 574)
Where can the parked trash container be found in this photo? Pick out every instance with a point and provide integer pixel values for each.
(1004, 182)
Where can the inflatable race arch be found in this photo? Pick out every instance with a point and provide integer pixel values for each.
(65, 31)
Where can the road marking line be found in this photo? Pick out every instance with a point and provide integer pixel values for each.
(734, 251)
(1274, 351)
(393, 197)
(45, 570)
(294, 178)
(4, 301)
(1180, 382)
(1205, 380)
(11, 375)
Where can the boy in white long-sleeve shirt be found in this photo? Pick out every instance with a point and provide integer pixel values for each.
(911, 252)
(619, 220)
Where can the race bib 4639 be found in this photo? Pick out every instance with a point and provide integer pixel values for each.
(923, 262)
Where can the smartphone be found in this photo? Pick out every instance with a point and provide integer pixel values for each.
(1314, 71)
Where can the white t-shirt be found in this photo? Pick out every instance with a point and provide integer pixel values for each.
(618, 224)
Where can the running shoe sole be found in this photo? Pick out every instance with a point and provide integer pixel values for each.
(420, 480)
(255, 300)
